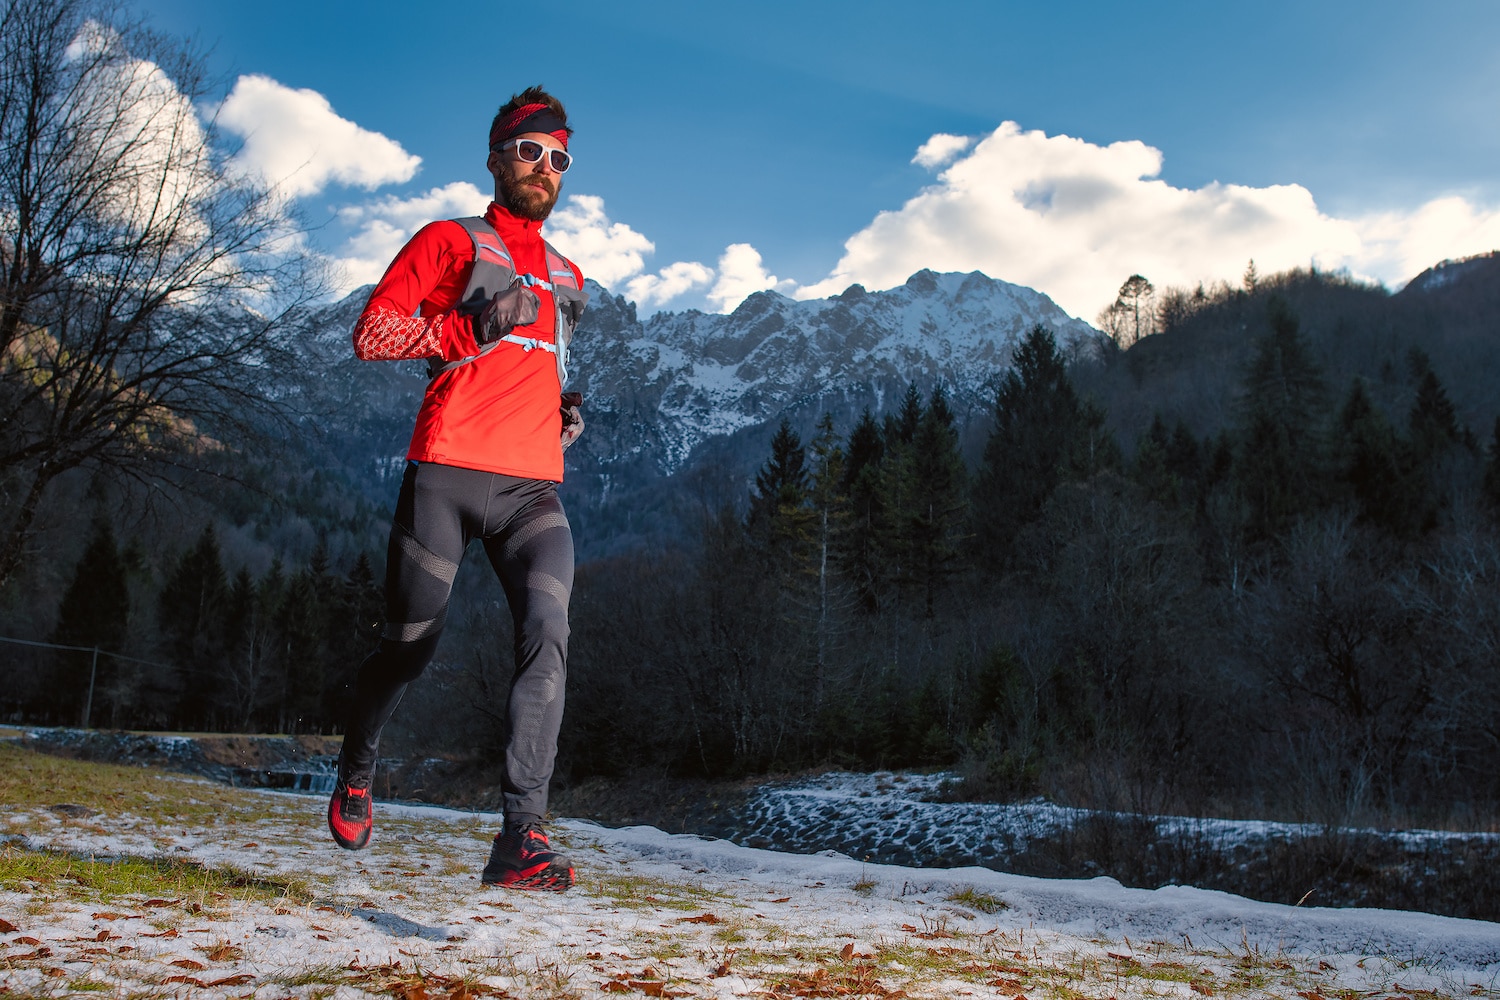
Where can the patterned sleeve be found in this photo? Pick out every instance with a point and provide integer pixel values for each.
(389, 330)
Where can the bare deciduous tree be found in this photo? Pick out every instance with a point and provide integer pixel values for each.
(143, 283)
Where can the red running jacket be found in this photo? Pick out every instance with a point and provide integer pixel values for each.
(498, 413)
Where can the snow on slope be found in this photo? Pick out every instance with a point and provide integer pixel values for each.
(895, 816)
(663, 915)
(692, 376)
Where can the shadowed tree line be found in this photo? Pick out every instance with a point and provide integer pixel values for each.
(1293, 613)
(209, 648)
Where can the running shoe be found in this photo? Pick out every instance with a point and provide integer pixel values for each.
(521, 858)
(351, 815)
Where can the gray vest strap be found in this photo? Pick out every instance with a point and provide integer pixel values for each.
(494, 270)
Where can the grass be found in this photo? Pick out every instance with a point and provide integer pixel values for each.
(184, 884)
(941, 952)
(976, 900)
(31, 780)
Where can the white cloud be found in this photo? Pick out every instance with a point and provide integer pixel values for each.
(1074, 220)
(140, 135)
(1059, 214)
(294, 140)
(741, 273)
(609, 252)
(940, 149)
(1400, 245)
(384, 226)
(650, 291)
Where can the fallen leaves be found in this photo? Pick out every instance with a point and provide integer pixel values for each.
(820, 982)
(702, 918)
(222, 952)
(6, 927)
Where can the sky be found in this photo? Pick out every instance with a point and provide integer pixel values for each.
(725, 149)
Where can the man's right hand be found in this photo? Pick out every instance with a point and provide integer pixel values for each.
(516, 306)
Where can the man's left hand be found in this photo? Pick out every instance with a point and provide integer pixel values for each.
(571, 417)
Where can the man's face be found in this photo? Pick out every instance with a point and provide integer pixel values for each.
(527, 189)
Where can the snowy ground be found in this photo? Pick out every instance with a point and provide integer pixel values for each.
(654, 914)
(893, 817)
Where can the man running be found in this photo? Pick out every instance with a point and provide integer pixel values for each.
(492, 306)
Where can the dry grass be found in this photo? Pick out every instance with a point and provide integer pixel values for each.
(165, 925)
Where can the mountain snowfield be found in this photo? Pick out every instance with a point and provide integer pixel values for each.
(697, 376)
(675, 392)
(654, 915)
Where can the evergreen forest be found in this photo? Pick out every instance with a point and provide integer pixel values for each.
(1242, 563)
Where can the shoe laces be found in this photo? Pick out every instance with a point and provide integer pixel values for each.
(354, 803)
(528, 831)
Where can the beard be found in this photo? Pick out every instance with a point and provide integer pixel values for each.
(531, 196)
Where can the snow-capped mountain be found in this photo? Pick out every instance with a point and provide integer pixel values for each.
(677, 380)
(700, 393)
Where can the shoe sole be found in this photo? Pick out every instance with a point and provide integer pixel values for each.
(549, 879)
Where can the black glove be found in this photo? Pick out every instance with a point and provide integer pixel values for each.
(516, 306)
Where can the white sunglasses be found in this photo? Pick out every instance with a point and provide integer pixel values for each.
(531, 151)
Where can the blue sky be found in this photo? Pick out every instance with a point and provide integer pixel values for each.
(725, 148)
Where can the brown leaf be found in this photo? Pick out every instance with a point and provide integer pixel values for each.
(6, 927)
(1201, 988)
(161, 902)
(240, 979)
(104, 916)
(185, 979)
(251, 844)
(614, 986)
(28, 940)
(188, 963)
(702, 918)
(783, 899)
(39, 953)
(651, 989)
(55, 972)
(170, 932)
(223, 952)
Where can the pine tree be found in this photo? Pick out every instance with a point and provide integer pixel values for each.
(859, 554)
(778, 506)
(191, 617)
(1043, 434)
(908, 417)
(830, 506)
(1280, 468)
(95, 612)
(356, 613)
(1433, 422)
(244, 680)
(1374, 466)
(95, 609)
(940, 495)
(1491, 484)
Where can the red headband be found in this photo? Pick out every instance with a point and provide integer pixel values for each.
(530, 118)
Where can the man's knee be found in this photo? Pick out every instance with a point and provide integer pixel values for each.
(544, 624)
(397, 662)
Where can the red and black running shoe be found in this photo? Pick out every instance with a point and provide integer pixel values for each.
(521, 858)
(351, 815)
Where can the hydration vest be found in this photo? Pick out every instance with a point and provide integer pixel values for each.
(494, 270)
